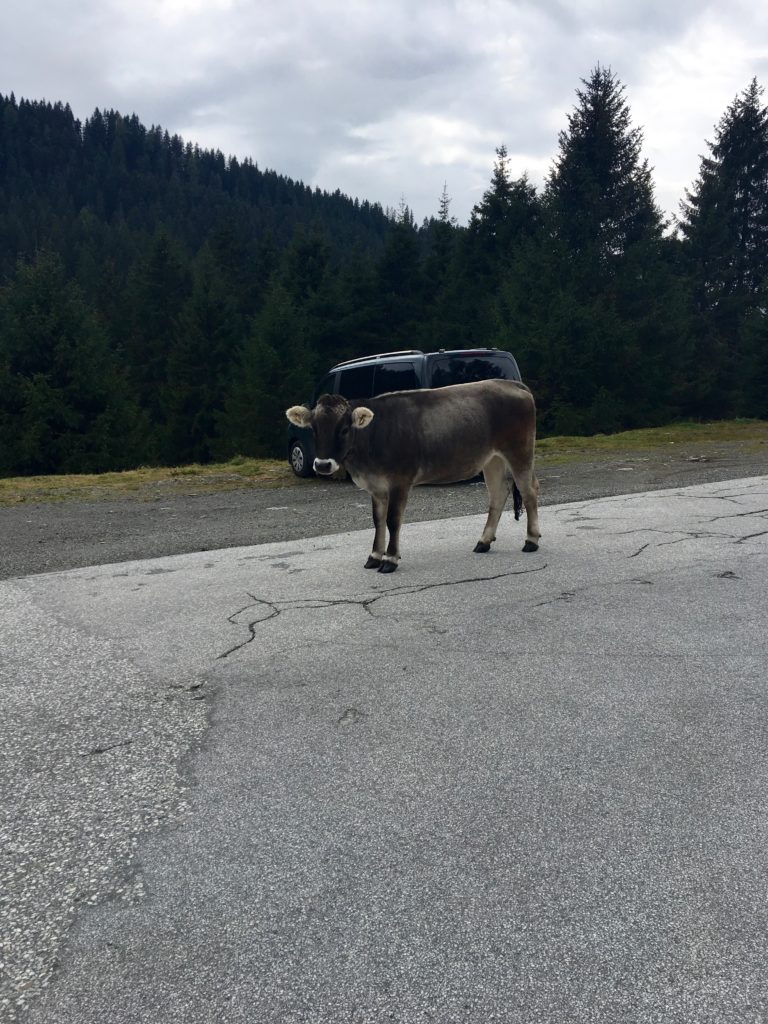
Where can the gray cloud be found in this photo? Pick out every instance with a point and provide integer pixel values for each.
(390, 99)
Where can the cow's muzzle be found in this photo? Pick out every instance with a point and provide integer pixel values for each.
(324, 467)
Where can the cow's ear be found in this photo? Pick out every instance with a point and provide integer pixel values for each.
(299, 415)
(361, 417)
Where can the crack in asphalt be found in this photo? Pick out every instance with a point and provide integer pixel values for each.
(565, 595)
(749, 536)
(684, 535)
(739, 515)
(274, 611)
(697, 535)
(105, 749)
(667, 533)
(712, 497)
(276, 608)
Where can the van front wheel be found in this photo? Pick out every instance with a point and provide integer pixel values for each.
(298, 459)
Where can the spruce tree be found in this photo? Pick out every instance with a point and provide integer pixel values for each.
(272, 370)
(599, 194)
(395, 317)
(606, 325)
(724, 220)
(308, 277)
(65, 404)
(440, 235)
(507, 213)
(158, 289)
(207, 333)
(500, 226)
(724, 227)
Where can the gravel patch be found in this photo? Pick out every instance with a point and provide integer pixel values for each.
(91, 767)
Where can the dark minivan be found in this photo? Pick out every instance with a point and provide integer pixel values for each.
(398, 371)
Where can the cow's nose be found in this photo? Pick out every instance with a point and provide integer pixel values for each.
(323, 466)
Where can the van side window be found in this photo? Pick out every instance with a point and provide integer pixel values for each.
(356, 382)
(395, 377)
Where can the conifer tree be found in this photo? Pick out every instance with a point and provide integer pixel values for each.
(307, 275)
(440, 234)
(65, 403)
(755, 371)
(724, 220)
(272, 370)
(507, 213)
(724, 227)
(398, 293)
(599, 194)
(604, 323)
(206, 336)
(500, 225)
(159, 288)
(441, 238)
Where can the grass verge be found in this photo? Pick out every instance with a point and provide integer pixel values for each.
(147, 483)
(749, 435)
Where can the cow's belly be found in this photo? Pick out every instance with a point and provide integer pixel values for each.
(451, 471)
(442, 468)
(453, 477)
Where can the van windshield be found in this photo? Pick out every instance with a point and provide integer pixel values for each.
(464, 369)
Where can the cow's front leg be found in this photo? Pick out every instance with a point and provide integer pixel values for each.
(379, 506)
(398, 499)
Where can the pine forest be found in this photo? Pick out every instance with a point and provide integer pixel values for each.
(163, 304)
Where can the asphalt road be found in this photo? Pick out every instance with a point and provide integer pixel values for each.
(37, 538)
(261, 784)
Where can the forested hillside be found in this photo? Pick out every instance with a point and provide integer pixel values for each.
(161, 303)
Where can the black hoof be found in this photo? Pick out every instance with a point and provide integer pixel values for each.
(481, 547)
(530, 546)
(387, 566)
(372, 563)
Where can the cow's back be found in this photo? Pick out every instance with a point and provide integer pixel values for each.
(443, 434)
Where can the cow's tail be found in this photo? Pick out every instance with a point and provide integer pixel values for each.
(517, 500)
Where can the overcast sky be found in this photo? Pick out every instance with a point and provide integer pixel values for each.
(387, 99)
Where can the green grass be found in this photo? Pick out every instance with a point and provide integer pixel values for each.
(153, 483)
(749, 435)
(147, 483)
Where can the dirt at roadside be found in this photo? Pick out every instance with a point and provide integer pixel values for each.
(674, 465)
(37, 538)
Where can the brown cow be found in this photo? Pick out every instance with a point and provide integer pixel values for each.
(389, 443)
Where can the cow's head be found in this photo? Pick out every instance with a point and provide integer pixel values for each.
(334, 423)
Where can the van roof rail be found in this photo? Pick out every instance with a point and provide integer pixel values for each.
(381, 355)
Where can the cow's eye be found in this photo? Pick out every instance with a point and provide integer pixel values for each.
(344, 432)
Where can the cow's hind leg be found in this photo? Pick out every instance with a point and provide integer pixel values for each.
(495, 473)
(528, 485)
(379, 507)
(398, 499)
